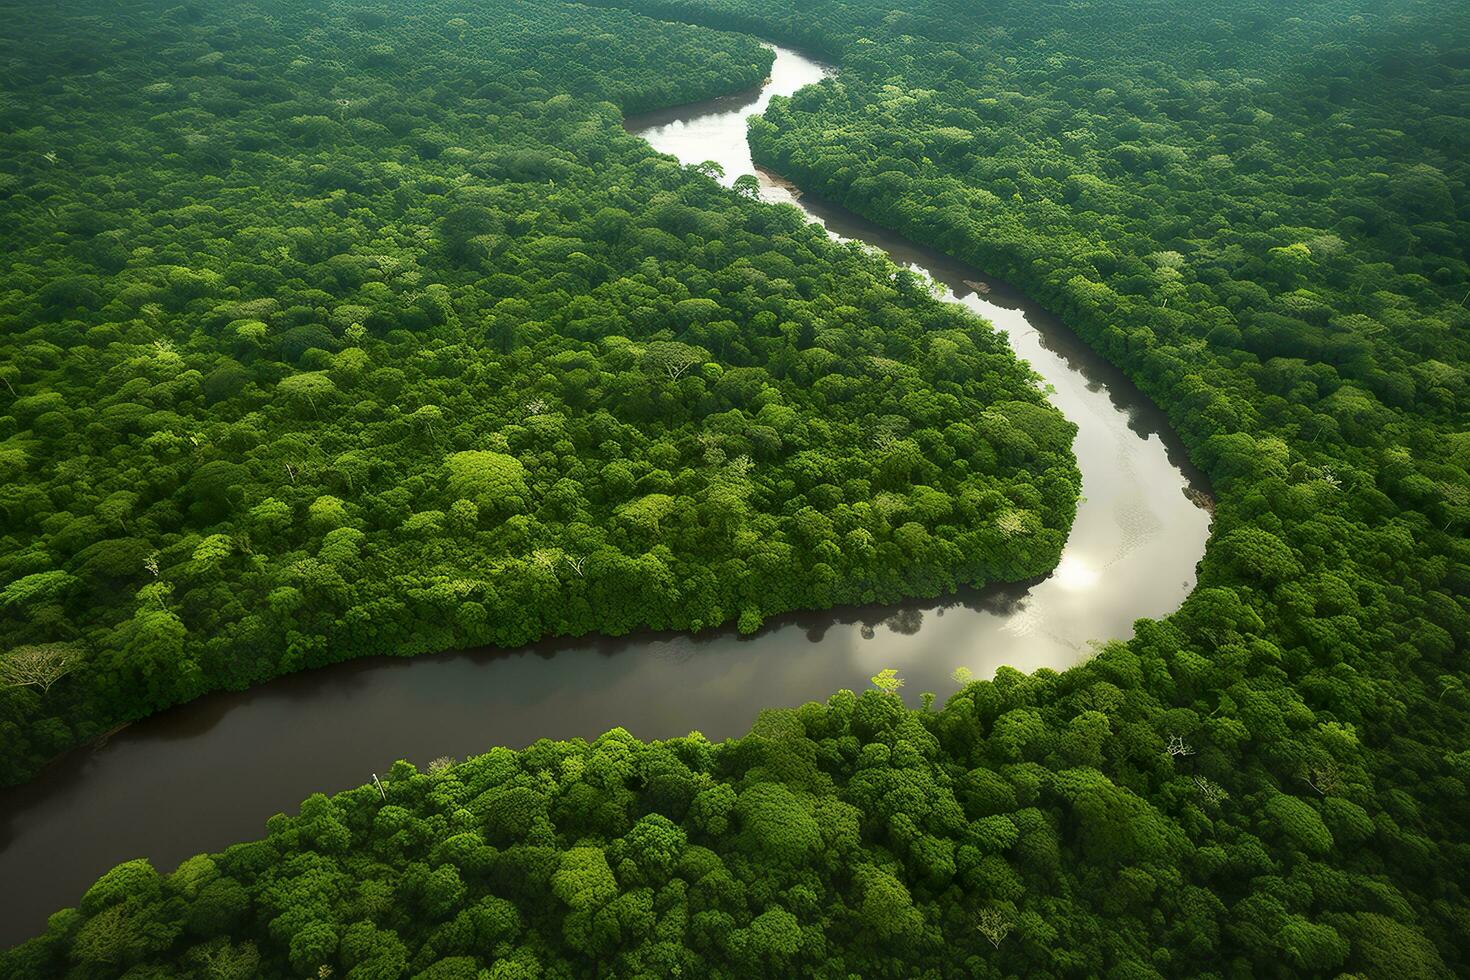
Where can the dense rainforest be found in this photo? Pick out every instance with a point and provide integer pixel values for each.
(1260, 213)
(330, 332)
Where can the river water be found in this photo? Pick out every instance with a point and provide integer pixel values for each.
(203, 775)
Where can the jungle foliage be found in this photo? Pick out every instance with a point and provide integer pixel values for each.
(331, 331)
(1260, 214)
(855, 838)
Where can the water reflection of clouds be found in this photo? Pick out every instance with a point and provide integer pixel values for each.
(1022, 622)
(1075, 575)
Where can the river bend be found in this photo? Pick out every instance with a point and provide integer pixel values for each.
(205, 774)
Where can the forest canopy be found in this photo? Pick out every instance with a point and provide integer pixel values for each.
(1259, 213)
(330, 331)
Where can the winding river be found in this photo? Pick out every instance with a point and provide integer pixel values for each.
(203, 775)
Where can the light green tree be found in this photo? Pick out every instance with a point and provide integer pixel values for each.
(887, 680)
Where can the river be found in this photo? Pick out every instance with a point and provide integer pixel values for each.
(208, 773)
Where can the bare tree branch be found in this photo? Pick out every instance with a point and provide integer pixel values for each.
(674, 358)
(1211, 792)
(1325, 779)
(994, 925)
(39, 665)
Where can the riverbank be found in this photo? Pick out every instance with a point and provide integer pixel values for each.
(210, 772)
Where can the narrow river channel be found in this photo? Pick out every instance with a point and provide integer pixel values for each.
(208, 773)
